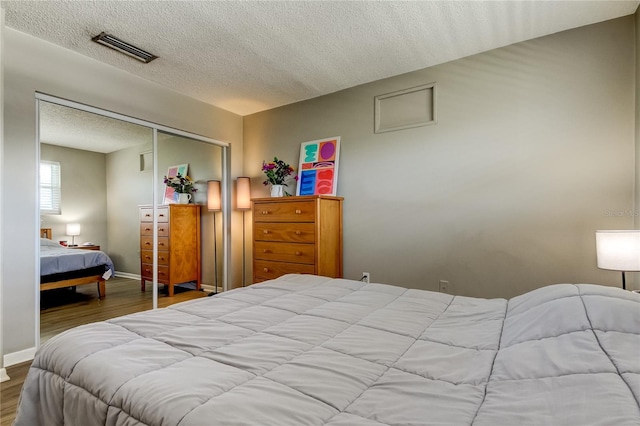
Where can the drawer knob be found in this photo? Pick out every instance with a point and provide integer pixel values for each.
(147, 215)
(298, 253)
(266, 269)
(265, 251)
(147, 229)
(298, 232)
(298, 211)
(161, 229)
(147, 243)
(266, 231)
(160, 244)
(265, 212)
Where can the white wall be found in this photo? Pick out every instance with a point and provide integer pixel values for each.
(34, 65)
(534, 145)
(84, 194)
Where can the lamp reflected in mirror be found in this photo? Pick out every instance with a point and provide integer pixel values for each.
(243, 202)
(73, 230)
(214, 205)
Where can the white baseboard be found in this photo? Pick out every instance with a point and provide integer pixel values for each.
(126, 275)
(19, 357)
(3, 375)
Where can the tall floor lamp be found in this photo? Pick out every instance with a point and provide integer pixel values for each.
(618, 251)
(214, 205)
(243, 202)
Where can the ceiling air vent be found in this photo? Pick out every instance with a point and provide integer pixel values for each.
(123, 47)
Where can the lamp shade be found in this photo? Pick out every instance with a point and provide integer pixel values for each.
(243, 193)
(73, 229)
(618, 250)
(213, 196)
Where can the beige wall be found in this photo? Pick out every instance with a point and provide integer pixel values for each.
(84, 194)
(534, 145)
(127, 188)
(32, 65)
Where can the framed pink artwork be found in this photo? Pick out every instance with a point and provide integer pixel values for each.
(170, 196)
(318, 167)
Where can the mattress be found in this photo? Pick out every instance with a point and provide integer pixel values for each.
(56, 259)
(307, 350)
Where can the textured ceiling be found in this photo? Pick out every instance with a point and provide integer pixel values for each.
(251, 56)
(77, 129)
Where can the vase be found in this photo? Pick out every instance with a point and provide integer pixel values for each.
(277, 190)
(184, 198)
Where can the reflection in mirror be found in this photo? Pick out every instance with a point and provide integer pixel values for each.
(204, 163)
(105, 172)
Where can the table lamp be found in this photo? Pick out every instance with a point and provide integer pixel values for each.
(618, 250)
(73, 230)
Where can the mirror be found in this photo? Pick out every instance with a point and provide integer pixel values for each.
(107, 179)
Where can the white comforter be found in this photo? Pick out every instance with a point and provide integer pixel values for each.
(305, 350)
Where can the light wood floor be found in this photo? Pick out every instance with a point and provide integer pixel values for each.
(64, 309)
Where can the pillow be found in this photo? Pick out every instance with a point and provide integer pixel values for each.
(45, 242)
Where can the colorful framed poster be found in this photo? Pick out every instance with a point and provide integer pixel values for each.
(318, 167)
(170, 196)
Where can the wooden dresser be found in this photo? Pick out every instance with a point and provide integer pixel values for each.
(297, 235)
(178, 245)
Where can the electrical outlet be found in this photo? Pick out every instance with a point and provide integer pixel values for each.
(365, 277)
(444, 286)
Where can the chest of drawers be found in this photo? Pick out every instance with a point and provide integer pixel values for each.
(178, 245)
(297, 235)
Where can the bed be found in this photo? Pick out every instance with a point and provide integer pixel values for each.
(66, 267)
(308, 350)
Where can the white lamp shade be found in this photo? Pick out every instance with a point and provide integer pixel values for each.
(73, 229)
(243, 193)
(618, 250)
(213, 196)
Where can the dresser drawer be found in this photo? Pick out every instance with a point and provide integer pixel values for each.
(286, 232)
(146, 214)
(285, 252)
(147, 257)
(295, 211)
(146, 242)
(147, 273)
(146, 228)
(268, 270)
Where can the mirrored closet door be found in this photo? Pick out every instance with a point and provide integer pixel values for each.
(106, 194)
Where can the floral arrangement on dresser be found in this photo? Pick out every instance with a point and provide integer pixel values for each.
(180, 184)
(277, 173)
